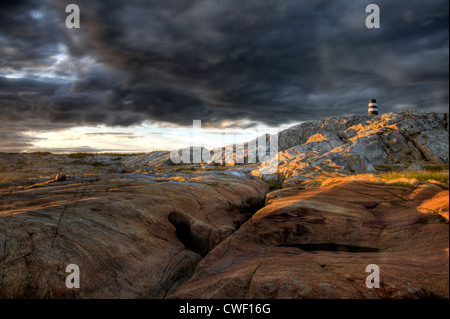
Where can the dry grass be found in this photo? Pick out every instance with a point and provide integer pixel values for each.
(401, 179)
(421, 176)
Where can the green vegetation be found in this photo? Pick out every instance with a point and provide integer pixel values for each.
(436, 167)
(441, 176)
(274, 185)
(432, 173)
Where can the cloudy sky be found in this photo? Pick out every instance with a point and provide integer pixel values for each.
(136, 73)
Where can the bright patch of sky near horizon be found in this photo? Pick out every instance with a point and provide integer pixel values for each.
(142, 138)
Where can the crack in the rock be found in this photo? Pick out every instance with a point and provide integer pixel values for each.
(255, 271)
(183, 232)
(4, 262)
(332, 247)
(167, 266)
(59, 223)
(181, 278)
(182, 223)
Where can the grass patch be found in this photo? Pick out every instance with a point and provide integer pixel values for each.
(436, 167)
(441, 176)
(438, 176)
(274, 185)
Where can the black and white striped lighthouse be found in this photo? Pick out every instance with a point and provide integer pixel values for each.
(373, 108)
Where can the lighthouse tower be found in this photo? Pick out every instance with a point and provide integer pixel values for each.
(373, 108)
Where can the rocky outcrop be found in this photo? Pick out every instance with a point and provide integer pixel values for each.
(132, 236)
(317, 243)
(23, 165)
(356, 144)
(146, 162)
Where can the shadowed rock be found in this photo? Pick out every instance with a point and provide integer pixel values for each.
(60, 178)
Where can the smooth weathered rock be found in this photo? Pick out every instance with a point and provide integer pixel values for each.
(132, 236)
(317, 243)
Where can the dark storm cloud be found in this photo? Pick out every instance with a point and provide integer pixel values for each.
(15, 142)
(275, 61)
(27, 41)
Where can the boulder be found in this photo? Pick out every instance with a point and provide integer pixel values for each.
(60, 178)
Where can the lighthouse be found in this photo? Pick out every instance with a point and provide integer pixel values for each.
(373, 108)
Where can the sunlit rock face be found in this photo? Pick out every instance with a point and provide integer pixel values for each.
(358, 144)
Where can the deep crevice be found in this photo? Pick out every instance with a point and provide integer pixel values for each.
(371, 206)
(203, 241)
(182, 225)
